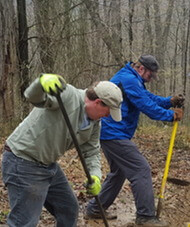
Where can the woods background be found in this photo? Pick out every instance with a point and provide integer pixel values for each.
(85, 41)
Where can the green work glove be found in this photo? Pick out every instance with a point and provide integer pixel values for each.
(52, 83)
(178, 101)
(95, 187)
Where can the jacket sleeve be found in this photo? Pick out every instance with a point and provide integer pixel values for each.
(161, 101)
(146, 102)
(91, 152)
(36, 96)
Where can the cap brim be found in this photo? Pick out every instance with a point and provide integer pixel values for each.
(116, 114)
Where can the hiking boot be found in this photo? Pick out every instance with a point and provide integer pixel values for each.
(97, 215)
(150, 222)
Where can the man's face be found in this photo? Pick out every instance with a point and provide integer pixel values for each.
(147, 74)
(96, 109)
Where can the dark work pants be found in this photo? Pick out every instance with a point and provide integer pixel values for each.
(126, 162)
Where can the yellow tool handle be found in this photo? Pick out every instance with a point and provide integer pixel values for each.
(168, 160)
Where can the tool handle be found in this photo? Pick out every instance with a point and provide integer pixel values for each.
(72, 133)
(166, 170)
(75, 141)
(159, 207)
(168, 160)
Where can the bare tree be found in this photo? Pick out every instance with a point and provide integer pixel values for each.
(87, 40)
(23, 50)
(185, 54)
(131, 13)
(108, 38)
(147, 45)
(162, 29)
(45, 24)
(8, 61)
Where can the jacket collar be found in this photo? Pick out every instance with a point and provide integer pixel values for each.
(128, 66)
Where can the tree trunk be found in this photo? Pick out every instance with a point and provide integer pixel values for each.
(45, 24)
(162, 30)
(186, 47)
(8, 62)
(131, 12)
(147, 45)
(23, 51)
(109, 39)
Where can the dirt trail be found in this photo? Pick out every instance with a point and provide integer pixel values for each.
(123, 206)
(176, 210)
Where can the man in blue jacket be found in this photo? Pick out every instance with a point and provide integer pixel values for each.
(124, 158)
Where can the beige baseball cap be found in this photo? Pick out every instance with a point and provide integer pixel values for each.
(111, 95)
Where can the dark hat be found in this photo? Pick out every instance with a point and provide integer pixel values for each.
(149, 62)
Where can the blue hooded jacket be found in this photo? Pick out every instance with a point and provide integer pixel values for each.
(136, 99)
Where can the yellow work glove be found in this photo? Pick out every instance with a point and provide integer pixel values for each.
(52, 83)
(95, 187)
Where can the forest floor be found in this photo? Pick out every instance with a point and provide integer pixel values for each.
(154, 143)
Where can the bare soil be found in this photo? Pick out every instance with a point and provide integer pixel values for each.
(154, 143)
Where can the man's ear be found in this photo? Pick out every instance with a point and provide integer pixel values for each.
(98, 101)
(141, 69)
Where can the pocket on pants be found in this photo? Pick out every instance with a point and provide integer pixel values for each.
(9, 170)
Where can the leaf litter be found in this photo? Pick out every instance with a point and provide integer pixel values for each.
(153, 142)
